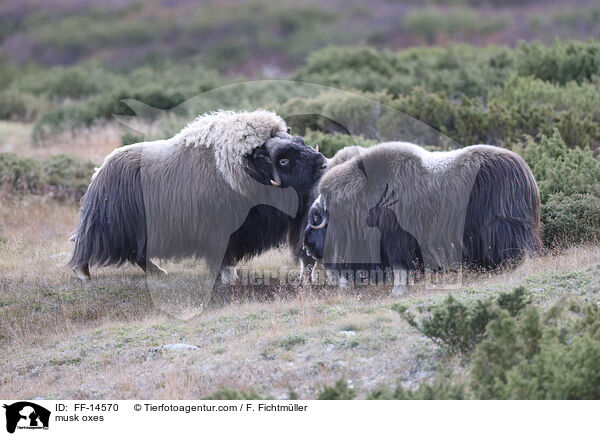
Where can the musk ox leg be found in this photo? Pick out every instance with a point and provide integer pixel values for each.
(400, 281)
(307, 271)
(151, 268)
(343, 282)
(82, 272)
(228, 275)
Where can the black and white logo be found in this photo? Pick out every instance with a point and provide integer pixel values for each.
(26, 415)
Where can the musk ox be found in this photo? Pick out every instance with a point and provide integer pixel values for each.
(228, 185)
(398, 206)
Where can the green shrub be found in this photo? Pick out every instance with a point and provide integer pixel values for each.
(329, 144)
(570, 220)
(442, 388)
(290, 341)
(67, 176)
(559, 169)
(20, 174)
(231, 394)
(569, 183)
(454, 69)
(532, 106)
(515, 350)
(66, 118)
(458, 327)
(63, 177)
(531, 358)
(19, 106)
(562, 62)
(431, 22)
(339, 391)
(129, 138)
(75, 82)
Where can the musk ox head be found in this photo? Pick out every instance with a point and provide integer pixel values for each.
(318, 215)
(316, 229)
(286, 161)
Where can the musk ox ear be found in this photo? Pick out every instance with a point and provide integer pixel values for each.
(259, 165)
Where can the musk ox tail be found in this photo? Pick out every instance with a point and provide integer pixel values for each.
(503, 215)
(112, 227)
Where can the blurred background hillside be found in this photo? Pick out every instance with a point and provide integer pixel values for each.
(267, 38)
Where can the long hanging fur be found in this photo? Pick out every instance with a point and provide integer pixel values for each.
(478, 205)
(182, 196)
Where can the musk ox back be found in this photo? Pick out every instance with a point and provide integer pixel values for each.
(397, 205)
(199, 194)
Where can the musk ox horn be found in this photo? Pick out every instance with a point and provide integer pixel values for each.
(276, 180)
(320, 226)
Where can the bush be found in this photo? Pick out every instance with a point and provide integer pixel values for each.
(569, 183)
(339, 391)
(515, 350)
(329, 144)
(560, 169)
(66, 118)
(19, 106)
(441, 389)
(129, 138)
(459, 328)
(455, 69)
(20, 174)
(75, 82)
(61, 176)
(67, 176)
(532, 358)
(231, 394)
(431, 22)
(562, 62)
(570, 220)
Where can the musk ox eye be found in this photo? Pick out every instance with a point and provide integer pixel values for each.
(284, 162)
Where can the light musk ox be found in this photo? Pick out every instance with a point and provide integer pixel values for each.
(230, 184)
(398, 206)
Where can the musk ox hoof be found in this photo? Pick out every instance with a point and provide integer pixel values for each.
(399, 290)
(155, 270)
(229, 275)
(400, 282)
(82, 272)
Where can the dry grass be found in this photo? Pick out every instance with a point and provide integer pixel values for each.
(60, 338)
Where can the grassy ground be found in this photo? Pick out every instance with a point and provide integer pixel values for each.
(60, 338)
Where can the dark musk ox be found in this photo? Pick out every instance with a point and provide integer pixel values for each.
(229, 185)
(398, 206)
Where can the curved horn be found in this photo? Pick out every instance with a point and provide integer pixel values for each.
(320, 226)
(317, 148)
(275, 181)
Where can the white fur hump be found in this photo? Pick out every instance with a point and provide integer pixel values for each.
(234, 131)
